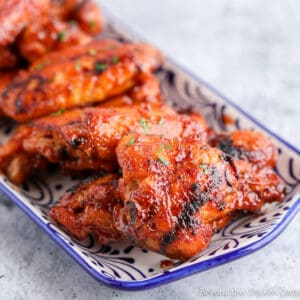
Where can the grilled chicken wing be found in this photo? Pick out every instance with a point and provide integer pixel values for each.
(91, 77)
(48, 35)
(88, 208)
(253, 156)
(176, 193)
(16, 14)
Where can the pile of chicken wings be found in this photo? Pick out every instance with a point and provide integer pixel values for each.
(160, 179)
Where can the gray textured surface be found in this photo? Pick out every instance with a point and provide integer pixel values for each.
(247, 49)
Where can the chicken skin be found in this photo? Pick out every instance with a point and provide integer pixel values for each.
(91, 77)
(88, 208)
(8, 58)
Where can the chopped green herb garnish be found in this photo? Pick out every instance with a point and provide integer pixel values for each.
(60, 36)
(115, 60)
(92, 52)
(42, 65)
(73, 22)
(205, 168)
(78, 65)
(161, 122)
(144, 124)
(131, 142)
(92, 24)
(100, 67)
(59, 112)
(168, 147)
(163, 160)
(160, 148)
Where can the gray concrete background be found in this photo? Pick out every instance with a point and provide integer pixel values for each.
(249, 50)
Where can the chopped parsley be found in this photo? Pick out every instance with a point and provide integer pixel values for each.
(78, 65)
(59, 112)
(92, 52)
(144, 124)
(100, 67)
(204, 167)
(92, 24)
(42, 65)
(131, 142)
(60, 36)
(115, 60)
(161, 122)
(163, 160)
(168, 147)
(73, 22)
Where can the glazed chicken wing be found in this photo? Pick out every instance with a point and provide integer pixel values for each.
(52, 33)
(253, 156)
(91, 77)
(88, 208)
(16, 14)
(47, 35)
(176, 194)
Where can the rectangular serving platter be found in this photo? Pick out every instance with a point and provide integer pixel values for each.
(127, 267)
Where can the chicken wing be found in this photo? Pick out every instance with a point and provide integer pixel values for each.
(16, 14)
(92, 77)
(88, 208)
(48, 35)
(176, 193)
(253, 156)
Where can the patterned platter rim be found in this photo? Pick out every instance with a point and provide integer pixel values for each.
(167, 277)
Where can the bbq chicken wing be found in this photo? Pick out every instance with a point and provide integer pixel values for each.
(177, 193)
(16, 14)
(48, 35)
(253, 157)
(92, 77)
(88, 208)
(174, 193)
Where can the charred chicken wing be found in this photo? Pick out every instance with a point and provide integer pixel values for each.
(91, 77)
(88, 208)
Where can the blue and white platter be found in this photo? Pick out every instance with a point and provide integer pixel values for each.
(127, 267)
